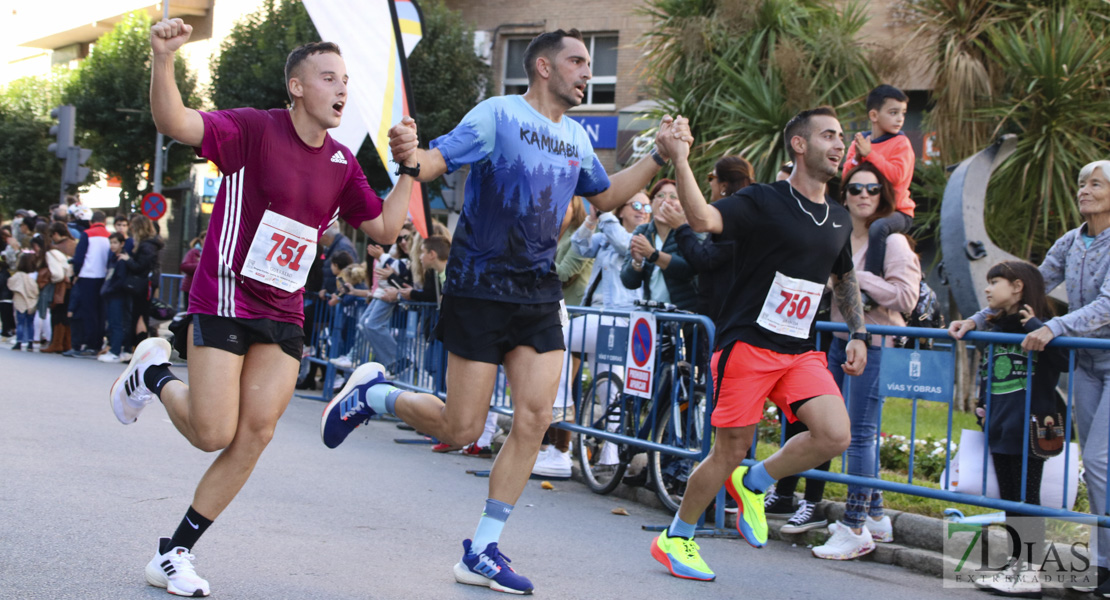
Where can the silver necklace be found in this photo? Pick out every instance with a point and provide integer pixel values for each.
(795, 194)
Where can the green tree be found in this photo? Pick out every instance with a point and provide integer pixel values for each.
(250, 67)
(111, 90)
(740, 71)
(249, 70)
(1056, 98)
(443, 61)
(1040, 69)
(30, 174)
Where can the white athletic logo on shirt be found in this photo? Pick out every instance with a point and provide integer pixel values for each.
(338, 157)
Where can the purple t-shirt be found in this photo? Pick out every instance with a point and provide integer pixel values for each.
(287, 193)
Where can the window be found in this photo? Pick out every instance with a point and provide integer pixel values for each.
(602, 88)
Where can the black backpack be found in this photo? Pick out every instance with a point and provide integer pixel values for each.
(926, 313)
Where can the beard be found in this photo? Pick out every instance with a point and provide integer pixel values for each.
(821, 168)
(565, 91)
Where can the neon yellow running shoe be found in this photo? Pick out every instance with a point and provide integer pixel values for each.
(751, 521)
(681, 557)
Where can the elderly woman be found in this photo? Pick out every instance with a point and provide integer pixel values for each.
(1080, 260)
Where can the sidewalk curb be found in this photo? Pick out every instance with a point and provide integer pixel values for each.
(919, 539)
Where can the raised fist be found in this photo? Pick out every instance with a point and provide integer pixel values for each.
(169, 35)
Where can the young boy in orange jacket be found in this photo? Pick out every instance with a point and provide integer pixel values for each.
(886, 147)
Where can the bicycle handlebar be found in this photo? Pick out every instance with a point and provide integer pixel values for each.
(655, 306)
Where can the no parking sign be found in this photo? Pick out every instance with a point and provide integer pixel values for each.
(154, 206)
(641, 355)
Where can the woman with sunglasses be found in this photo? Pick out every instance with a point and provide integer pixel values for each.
(655, 262)
(868, 196)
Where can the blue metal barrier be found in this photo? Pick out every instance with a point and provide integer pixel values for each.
(989, 339)
(169, 291)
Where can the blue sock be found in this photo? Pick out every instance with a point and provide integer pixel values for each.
(680, 528)
(382, 398)
(757, 479)
(490, 525)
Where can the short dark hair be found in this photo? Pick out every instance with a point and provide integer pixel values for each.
(298, 56)
(879, 95)
(118, 237)
(97, 217)
(342, 260)
(59, 228)
(543, 45)
(799, 125)
(438, 244)
(120, 216)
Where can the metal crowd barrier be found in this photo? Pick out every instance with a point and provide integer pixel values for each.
(169, 291)
(989, 339)
(421, 365)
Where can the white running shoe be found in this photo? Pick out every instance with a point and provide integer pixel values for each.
(174, 571)
(1017, 581)
(108, 357)
(129, 394)
(844, 544)
(881, 530)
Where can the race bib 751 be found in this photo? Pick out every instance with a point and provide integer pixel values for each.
(281, 252)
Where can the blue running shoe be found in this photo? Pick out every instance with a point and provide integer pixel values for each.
(349, 408)
(490, 569)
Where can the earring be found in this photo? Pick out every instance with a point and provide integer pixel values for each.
(722, 192)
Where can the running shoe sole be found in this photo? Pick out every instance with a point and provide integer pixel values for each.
(143, 351)
(658, 554)
(465, 575)
(741, 524)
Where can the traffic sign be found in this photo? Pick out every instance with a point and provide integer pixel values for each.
(154, 206)
(641, 355)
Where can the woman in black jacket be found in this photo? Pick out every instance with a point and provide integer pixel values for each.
(143, 269)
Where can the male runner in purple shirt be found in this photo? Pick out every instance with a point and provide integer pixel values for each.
(286, 181)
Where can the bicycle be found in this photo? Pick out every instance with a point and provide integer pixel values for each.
(664, 418)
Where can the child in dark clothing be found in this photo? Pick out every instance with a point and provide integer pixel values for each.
(117, 300)
(1015, 290)
(886, 147)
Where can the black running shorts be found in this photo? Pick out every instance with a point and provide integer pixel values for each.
(237, 335)
(487, 330)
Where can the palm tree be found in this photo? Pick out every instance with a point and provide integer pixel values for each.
(740, 71)
(1056, 98)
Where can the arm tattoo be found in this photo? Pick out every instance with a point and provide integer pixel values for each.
(846, 296)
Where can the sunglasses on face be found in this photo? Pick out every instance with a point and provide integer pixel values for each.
(638, 206)
(856, 189)
(712, 177)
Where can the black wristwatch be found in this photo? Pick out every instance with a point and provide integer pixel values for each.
(654, 257)
(411, 171)
(863, 337)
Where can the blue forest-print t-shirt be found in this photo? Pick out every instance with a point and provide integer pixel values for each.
(525, 170)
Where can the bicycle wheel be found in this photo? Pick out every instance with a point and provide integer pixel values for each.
(603, 464)
(681, 426)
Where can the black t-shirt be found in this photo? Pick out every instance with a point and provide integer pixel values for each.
(782, 262)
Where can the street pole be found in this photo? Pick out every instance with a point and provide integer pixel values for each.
(158, 154)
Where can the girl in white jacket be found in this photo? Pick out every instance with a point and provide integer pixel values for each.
(25, 295)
